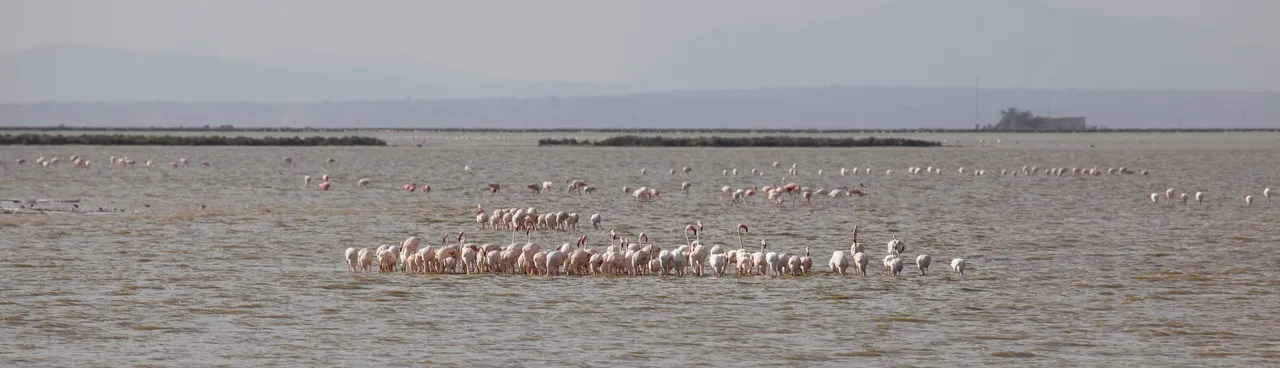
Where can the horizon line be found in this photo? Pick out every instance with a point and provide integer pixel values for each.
(650, 93)
(617, 130)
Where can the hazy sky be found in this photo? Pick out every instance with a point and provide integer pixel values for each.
(601, 41)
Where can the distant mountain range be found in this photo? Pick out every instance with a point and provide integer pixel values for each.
(905, 43)
(948, 43)
(86, 73)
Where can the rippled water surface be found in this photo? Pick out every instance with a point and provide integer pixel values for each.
(1063, 271)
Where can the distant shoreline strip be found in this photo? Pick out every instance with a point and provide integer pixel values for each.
(766, 141)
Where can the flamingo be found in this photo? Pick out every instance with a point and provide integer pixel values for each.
(806, 263)
(365, 256)
(1199, 197)
(1155, 197)
(771, 259)
(896, 247)
(718, 263)
(957, 266)
(353, 259)
(893, 264)
(595, 221)
(306, 181)
(856, 247)
(411, 187)
(556, 259)
(922, 262)
(1266, 192)
(1168, 196)
(860, 261)
(493, 189)
(324, 185)
(839, 262)
(1248, 200)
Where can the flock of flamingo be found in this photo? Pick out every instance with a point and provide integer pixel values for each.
(737, 196)
(620, 258)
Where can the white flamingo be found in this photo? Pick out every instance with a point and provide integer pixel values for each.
(839, 262)
(922, 262)
(893, 264)
(860, 261)
(957, 265)
(896, 247)
(353, 259)
(856, 247)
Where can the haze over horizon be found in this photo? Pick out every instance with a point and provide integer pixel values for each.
(295, 51)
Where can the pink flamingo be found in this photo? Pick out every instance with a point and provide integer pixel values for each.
(324, 186)
(410, 187)
(493, 189)
(426, 188)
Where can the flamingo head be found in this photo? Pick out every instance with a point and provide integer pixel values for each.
(582, 240)
(743, 228)
(699, 225)
(461, 235)
(613, 235)
(763, 244)
(644, 238)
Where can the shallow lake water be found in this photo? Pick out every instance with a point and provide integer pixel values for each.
(239, 264)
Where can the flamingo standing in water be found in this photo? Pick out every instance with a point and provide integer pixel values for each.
(324, 185)
(493, 189)
(410, 187)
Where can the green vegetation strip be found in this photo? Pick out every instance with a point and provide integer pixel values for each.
(171, 140)
(766, 141)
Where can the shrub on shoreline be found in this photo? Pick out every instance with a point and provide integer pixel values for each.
(765, 141)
